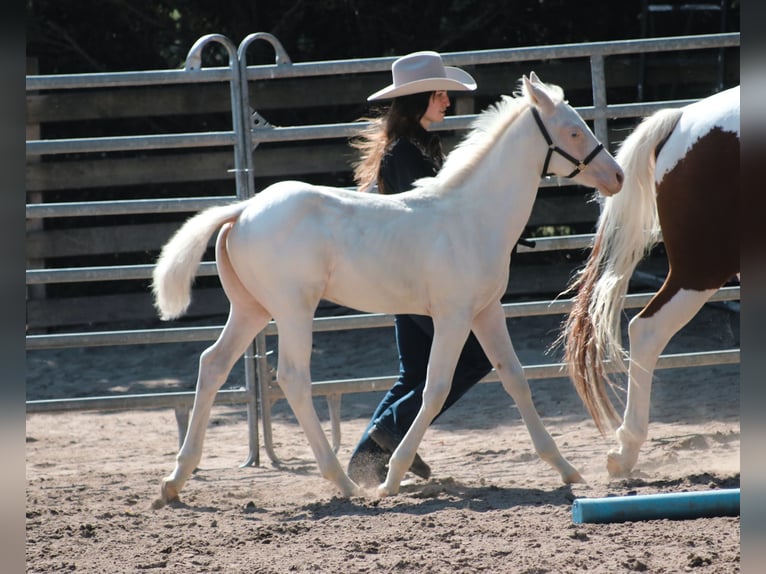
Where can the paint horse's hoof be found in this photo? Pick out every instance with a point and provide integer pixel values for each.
(618, 465)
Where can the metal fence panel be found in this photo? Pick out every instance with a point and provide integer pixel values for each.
(243, 137)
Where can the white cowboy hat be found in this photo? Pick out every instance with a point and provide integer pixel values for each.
(423, 72)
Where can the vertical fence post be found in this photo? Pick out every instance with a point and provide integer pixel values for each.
(257, 372)
(598, 82)
(243, 178)
(37, 197)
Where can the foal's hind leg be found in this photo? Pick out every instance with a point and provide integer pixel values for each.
(491, 331)
(215, 363)
(649, 332)
(294, 377)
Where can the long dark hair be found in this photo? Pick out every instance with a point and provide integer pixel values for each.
(400, 119)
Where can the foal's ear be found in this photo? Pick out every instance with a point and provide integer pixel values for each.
(536, 92)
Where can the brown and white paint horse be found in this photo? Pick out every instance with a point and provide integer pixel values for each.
(681, 179)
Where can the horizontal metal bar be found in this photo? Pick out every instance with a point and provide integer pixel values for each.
(501, 56)
(531, 372)
(452, 123)
(131, 143)
(723, 294)
(699, 359)
(308, 132)
(606, 48)
(124, 207)
(320, 324)
(124, 402)
(671, 361)
(633, 110)
(355, 66)
(113, 338)
(105, 273)
(124, 79)
(557, 243)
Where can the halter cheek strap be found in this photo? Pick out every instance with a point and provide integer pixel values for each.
(579, 165)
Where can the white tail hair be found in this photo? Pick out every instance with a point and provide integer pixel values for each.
(629, 225)
(180, 257)
(627, 228)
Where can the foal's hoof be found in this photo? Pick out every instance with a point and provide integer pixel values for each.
(569, 474)
(168, 493)
(572, 477)
(389, 441)
(352, 490)
(382, 492)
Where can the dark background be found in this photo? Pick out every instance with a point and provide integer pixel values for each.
(72, 36)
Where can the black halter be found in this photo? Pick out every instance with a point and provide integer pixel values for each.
(579, 165)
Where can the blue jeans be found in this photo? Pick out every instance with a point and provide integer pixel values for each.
(400, 406)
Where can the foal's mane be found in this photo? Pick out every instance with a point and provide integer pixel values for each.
(486, 130)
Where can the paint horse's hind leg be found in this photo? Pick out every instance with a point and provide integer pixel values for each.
(215, 363)
(294, 378)
(491, 331)
(649, 333)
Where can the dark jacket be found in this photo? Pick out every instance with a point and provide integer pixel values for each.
(408, 159)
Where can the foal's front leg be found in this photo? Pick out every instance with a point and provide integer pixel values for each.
(491, 331)
(445, 350)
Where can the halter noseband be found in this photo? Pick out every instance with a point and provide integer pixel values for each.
(579, 165)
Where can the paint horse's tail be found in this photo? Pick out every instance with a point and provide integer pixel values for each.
(180, 257)
(627, 227)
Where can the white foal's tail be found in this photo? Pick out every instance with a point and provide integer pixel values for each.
(627, 228)
(177, 265)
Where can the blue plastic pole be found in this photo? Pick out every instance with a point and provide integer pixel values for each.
(674, 506)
